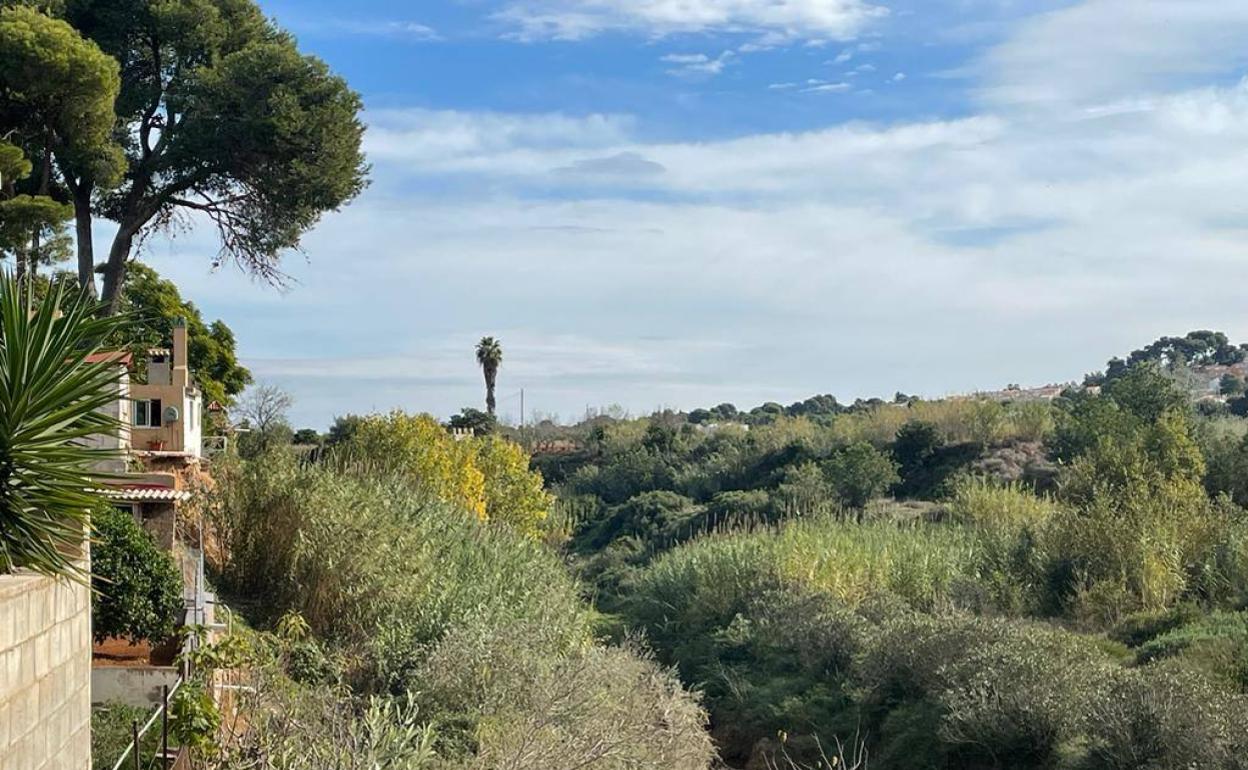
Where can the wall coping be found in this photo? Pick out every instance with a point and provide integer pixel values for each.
(16, 583)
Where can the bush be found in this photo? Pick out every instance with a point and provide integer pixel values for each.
(111, 732)
(742, 508)
(859, 473)
(1019, 700)
(374, 565)
(1166, 716)
(984, 504)
(995, 693)
(488, 476)
(1140, 627)
(138, 588)
(1216, 644)
(658, 519)
(925, 462)
(519, 707)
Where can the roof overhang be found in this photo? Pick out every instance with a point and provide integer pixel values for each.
(144, 493)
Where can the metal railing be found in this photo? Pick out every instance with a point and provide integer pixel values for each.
(134, 749)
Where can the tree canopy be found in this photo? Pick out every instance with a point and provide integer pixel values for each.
(57, 92)
(220, 120)
(156, 304)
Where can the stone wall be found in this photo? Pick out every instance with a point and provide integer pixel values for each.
(45, 674)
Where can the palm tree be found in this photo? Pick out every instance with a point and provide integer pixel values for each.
(489, 355)
(52, 396)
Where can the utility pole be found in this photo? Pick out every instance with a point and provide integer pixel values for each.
(522, 417)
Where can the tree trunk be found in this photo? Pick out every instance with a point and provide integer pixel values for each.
(82, 232)
(489, 392)
(115, 268)
(45, 187)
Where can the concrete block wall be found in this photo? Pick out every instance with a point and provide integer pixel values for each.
(45, 674)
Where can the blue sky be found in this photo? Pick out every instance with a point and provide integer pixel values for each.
(682, 202)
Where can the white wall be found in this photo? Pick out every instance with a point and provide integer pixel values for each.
(192, 422)
(122, 410)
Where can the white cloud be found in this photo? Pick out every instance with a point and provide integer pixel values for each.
(786, 19)
(698, 65)
(828, 88)
(1109, 50)
(900, 76)
(399, 29)
(682, 58)
(843, 56)
(456, 141)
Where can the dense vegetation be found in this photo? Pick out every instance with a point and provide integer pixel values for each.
(451, 635)
(967, 583)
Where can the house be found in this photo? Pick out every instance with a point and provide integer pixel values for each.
(153, 473)
(166, 417)
(157, 451)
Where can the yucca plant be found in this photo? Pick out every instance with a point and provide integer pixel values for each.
(51, 401)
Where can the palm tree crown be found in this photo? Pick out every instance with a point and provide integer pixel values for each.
(489, 356)
(53, 397)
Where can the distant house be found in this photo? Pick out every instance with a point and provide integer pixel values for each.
(1016, 393)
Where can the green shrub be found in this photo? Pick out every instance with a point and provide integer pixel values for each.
(996, 693)
(306, 663)
(980, 503)
(742, 507)
(138, 588)
(1020, 700)
(510, 703)
(859, 473)
(1166, 716)
(1216, 644)
(112, 726)
(1140, 627)
(659, 519)
(374, 566)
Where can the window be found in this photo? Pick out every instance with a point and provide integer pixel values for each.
(147, 413)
